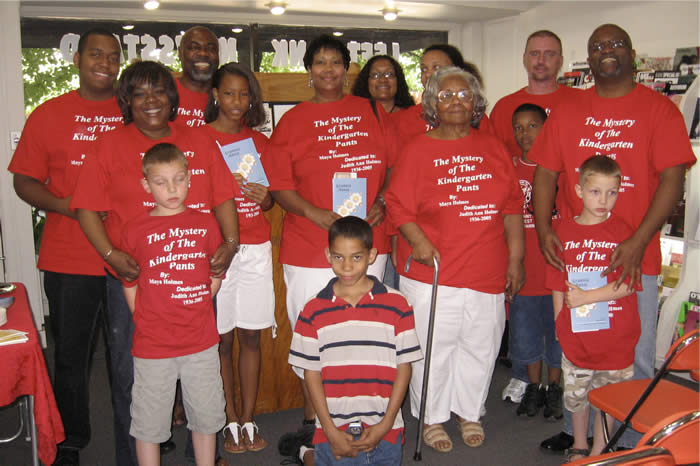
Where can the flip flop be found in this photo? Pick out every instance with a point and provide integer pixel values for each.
(434, 434)
(234, 429)
(251, 428)
(573, 454)
(472, 433)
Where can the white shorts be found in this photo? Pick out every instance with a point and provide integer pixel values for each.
(247, 295)
(303, 283)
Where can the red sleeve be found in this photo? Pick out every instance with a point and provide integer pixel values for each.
(277, 159)
(31, 157)
(401, 200)
(670, 145)
(222, 181)
(514, 204)
(486, 126)
(554, 279)
(545, 150)
(92, 191)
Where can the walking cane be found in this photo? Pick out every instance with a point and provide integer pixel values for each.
(417, 456)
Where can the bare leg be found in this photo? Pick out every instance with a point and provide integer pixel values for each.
(204, 448)
(579, 422)
(598, 437)
(534, 372)
(226, 357)
(308, 458)
(554, 375)
(249, 373)
(148, 454)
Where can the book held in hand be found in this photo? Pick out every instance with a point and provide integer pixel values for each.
(349, 195)
(242, 157)
(589, 317)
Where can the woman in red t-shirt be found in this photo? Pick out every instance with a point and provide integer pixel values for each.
(455, 198)
(246, 300)
(382, 80)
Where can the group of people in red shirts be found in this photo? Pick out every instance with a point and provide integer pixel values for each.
(443, 182)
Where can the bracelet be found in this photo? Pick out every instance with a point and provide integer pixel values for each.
(107, 254)
(233, 241)
(380, 198)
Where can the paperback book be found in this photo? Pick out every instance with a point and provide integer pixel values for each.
(349, 195)
(589, 317)
(242, 157)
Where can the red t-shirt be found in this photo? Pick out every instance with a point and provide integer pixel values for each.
(253, 227)
(457, 192)
(588, 248)
(190, 111)
(57, 138)
(310, 144)
(534, 260)
(174, 314)
(111, 181)
(502, 113)
(643, 131)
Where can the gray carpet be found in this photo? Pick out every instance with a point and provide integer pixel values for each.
(509, 440)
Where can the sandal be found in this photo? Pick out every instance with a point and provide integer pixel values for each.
(238, 447)
(434, 434)
(472, 433)
(251, 428)
(573, 454)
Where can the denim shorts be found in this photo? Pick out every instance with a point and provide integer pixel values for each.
(386, 454)
(532, 333)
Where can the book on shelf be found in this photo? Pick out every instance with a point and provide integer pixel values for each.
(589, 317)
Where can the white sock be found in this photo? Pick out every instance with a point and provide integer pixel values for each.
(302, 451)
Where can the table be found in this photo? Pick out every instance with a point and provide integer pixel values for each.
(24, 374)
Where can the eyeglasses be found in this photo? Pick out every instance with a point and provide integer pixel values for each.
(463, 95)
(608, 44)
(386, 75)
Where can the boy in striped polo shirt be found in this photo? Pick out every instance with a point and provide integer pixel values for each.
(355, 341)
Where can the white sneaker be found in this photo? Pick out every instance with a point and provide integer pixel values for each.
(514, 391)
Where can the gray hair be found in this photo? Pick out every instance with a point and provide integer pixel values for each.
(430, 95)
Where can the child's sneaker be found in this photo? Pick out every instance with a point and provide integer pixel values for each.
(514, 391)
(553, 402)
(532, 401)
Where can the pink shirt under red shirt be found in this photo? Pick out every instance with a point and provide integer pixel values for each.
(457, 192)
(312, 142)
(59, 136)
(588, 248)
(643, 131)
(111, 181)
(173, 314)
(502, 113)
(191, 107)
(253, 227)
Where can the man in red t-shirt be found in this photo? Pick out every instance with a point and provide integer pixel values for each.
(646, 135)
(57, 138)
(199, 55)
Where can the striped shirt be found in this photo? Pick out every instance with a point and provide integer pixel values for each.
(357, 350)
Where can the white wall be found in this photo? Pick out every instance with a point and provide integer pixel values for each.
(656, 29)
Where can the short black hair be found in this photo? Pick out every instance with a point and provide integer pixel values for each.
(327, 42)
(402, 99)
(351, 227)
(82, 42)
(163, 152)
(255, 115)
(532, 108)
(148, 72)
(457, 59)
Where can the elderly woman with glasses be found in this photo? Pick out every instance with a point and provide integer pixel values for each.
(455, 198)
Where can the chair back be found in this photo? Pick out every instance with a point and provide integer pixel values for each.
(684, 355)
(679, 434)
(647, 456)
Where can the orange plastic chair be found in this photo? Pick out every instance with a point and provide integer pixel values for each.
(647, 456)
(643, 403)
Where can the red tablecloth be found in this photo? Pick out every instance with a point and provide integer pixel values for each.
(23, 372)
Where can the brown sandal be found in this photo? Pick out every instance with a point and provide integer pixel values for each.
(472, 433)
(434, 434)
(236, 439)
(248, 432)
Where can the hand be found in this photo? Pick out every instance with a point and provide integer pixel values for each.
(575, 297)
(423, 252)
(341, 444)
(322, 217)
(515, 278)
(255, 192)
(222, 258)
(370, 438)
(550, 247)
(627, 254)
(124, 265)
(376, 213)
(103, 215)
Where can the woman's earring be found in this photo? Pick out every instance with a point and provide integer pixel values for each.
(311, 82)
(346, 83)
(216, 103)
(250, 105)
